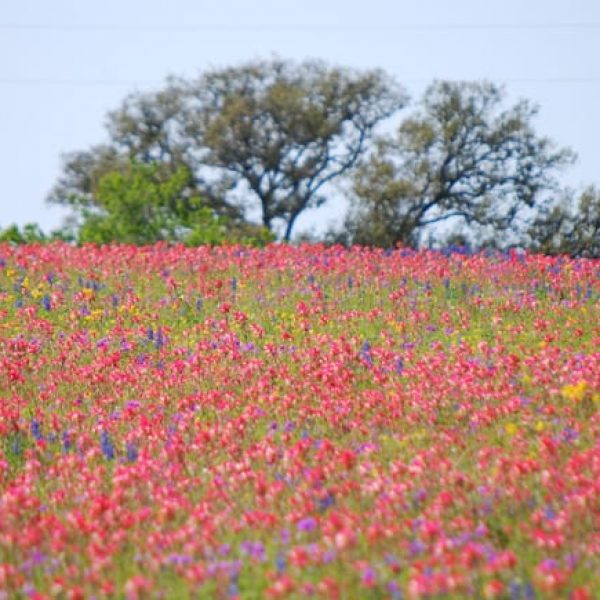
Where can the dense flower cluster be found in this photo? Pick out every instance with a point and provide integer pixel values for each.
(298, 422)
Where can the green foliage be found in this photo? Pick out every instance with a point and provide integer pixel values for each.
(142, 204)
(250, 234)
(462, 157)
(31, 234)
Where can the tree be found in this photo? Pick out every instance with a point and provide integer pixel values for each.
(28, 234)
(286, 130)
(461, 158)
(569, 227)
(273, 130)
(31, 233)
(141, 205)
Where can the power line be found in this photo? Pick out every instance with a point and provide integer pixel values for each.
(77, 82)
(132, 82)
(129, 28)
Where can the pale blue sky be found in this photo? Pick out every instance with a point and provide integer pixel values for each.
(65, 63)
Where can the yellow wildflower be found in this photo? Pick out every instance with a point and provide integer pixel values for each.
(575, 392)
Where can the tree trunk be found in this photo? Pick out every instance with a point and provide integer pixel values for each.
(289, 226)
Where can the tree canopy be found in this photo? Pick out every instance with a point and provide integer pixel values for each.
(461, 157)
(139, 205)
(286, 130)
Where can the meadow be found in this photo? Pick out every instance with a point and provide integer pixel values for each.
(302, 422)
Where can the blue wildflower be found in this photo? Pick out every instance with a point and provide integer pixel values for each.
(234, 589)
(514, 590)
(365, 353)
(36, 430)
(16, 446)
(528, 592)
(280, 563)
(106, 445)
(569, 434)
(132, 452)
(159, 342)
(325, 503)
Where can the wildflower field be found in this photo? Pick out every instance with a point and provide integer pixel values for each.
(298, 422)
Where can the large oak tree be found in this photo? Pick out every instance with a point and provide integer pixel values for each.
(461, 158)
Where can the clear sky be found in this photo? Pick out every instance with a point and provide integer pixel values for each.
(65, 63)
